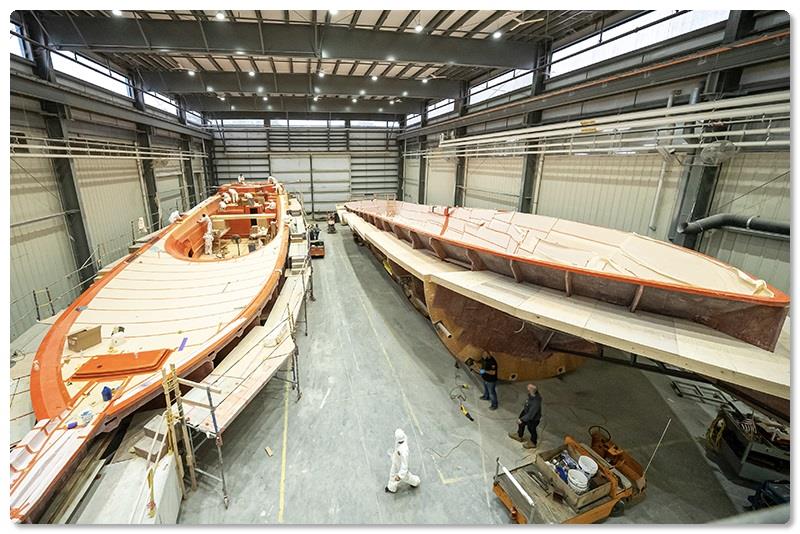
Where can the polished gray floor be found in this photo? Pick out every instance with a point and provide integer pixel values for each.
(371, 363)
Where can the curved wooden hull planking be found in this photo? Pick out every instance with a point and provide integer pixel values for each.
(177, 305)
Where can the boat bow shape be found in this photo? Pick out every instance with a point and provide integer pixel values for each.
(177, 305)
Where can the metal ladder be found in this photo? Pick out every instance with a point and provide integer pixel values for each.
(172, 393)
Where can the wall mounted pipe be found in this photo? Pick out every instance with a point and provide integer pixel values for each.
(751, 222)
(667, 114)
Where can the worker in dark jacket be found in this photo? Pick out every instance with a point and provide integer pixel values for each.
(488, 372)
(529, 418)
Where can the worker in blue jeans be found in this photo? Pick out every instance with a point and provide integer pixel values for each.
(488, 372)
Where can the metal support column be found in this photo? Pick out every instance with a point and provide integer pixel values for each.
(401, 163)
(149, 177)
(423, 162)
(461, 161)
(525, 202)
(55, 117)
(212, 180)
(188, 172)
(698, 182)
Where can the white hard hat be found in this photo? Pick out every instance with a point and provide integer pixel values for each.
(399, 435)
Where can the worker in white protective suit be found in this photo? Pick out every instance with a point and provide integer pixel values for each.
(226, 197)
(240, 179)
(399, 472)
(206, 220)
(174, 216)
(208, 238)
(222, 204)
(234, 195)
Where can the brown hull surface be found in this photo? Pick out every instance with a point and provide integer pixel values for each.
(603, 264)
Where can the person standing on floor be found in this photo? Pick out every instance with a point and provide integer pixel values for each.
(529, 418)
(399, 471)
(488, 372)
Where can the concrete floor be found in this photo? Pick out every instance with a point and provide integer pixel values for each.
(371, 363)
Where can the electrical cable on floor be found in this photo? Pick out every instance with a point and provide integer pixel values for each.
(452, 449)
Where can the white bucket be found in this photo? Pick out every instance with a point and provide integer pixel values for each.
(577, 480)
(588, 466)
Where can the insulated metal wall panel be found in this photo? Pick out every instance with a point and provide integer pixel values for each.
(294, 172)
(753, 184)
(330, 181)
(411, 179)
(440, 182)
(40, 252)
(373, 162)
(111, 195)
(241, 150)
(615, 191)
(493, 182)
(169, 185)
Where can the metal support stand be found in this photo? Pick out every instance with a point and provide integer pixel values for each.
(190, 431)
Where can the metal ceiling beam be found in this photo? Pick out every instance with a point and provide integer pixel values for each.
(124, 35)
(762, 49)
(304, 115)
(27, 85)
(299, 104)
(179, 82)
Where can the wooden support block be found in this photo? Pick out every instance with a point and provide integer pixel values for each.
(516, 271)
(475, 261)
(437, 248)
(636, 298)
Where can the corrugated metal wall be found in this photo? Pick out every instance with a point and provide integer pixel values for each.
(295, 174)
(440, 181)
(493, 182)
(112, 199)
(40, 251)
(330, 180)
(241, 150)
(110, 191)
(615, 191)
(741, 190)
(411, 179)
(373, 162)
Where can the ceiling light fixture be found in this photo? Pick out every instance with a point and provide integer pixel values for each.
(354, 100)
(424, 80)
(380, 109)
(321, 74)
(265, 98)
(362, 92)
(390, 58)
(191, 73)
(209, 89)
(374, 78)
(405, 93)
(418, 28)
(251, 73)
(233, 107)
(116, 12)
(316, 98)
(222, 98)
(497, 34)
(260, 89)
(240, 52)
(220, 15)
(333, 11)
(391, 102)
